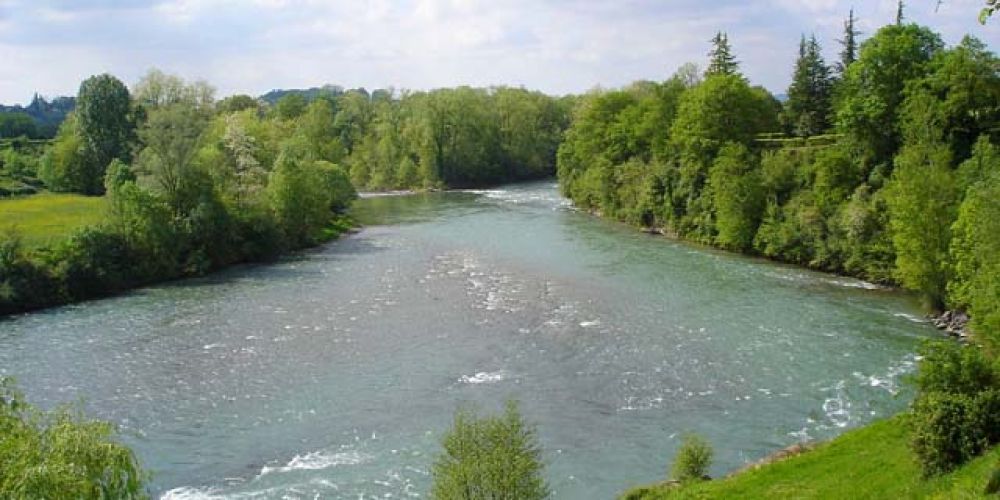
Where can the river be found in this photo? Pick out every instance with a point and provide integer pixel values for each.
(334, 373)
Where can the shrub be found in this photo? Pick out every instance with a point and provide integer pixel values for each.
(490, 458)
(954, 368)
(61, 454)
(956, 416)
(693, 459)
(993, 485)
(945, 431)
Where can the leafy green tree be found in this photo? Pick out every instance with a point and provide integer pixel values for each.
(290, 106)
(807, 109)
(237, 103)
(65, 167)
(299, 199)
(872, 89)
(157, 89)
(490, 458)
(721, 58)
(955, 99)
(737, 195)
(62, 454)
(923, 202)
(105, 125)
(975, 249)
(172, 135)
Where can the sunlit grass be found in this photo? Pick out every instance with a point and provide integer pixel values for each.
(870, 462)
(45, 218)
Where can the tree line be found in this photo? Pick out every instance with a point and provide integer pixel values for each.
(883, 165)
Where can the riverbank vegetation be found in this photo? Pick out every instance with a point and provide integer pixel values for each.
(879, 166)
(191, 184)
(62, 454)
(490, 457)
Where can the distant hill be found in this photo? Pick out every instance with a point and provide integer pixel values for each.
(46, 115)
(273, 96)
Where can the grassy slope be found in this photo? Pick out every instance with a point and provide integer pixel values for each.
(870, 462)
(44, 218)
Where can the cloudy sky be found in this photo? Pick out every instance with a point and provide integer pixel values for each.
(557, 46)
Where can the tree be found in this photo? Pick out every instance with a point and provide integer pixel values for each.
(104, 116)
(62, 454)
(899, 13)
(975, 248)
(490, 458)
(849, 45)
(722, 61)
(290, 106)
(172, 135)
(737, 196)
(923, 203)
(872, 89)
(157, 89)
(64, 168)
(807, 109)
(237, 103)
(954, 100)
(299, 199)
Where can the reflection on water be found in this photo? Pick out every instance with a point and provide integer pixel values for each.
(335, 372)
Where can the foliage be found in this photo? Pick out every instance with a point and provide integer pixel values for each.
(872, 88)
(922, 198)
(721, 58)
(956, 415)
(490, 458)
(807, 109)
(62, 454)
(105, 125)
(17, 125)
(737, 195)
(693, 459)
(975, 248)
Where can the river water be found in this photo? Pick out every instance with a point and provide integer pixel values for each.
(334, 373)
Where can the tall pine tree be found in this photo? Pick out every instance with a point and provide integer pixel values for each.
(722, 61)
(899, 13)
(807, 111)
(849, 45)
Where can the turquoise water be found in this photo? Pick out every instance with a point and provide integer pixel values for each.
(334, 373)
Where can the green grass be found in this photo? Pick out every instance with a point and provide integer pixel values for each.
(872, 462)
(44, 218)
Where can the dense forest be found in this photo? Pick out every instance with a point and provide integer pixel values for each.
(883, 165)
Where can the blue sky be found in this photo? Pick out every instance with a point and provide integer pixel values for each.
(557, 46)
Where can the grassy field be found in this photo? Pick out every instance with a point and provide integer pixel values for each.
(872, 462)
(44, 218)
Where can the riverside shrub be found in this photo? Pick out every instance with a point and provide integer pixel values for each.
(62, 454)
(693, 459)
(490, 458)
(956, 415)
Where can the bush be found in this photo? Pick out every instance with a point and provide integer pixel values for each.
(956, 416)
(946, 431)
(61, 454)
(490, 458)
(954, 368)
(693, 459)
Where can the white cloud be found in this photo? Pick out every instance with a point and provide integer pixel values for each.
(556, 45)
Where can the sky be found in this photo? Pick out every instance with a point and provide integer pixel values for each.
(557, 46)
